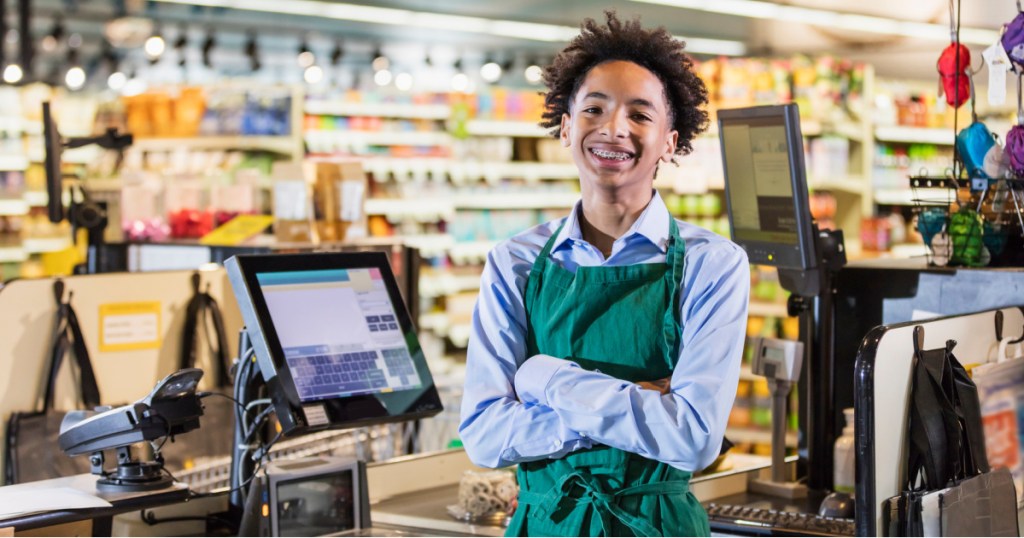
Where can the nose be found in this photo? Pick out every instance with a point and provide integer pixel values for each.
(615, 126)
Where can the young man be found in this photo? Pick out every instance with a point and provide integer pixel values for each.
(606, 345)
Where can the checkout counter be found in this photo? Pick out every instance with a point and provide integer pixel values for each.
(407, 496)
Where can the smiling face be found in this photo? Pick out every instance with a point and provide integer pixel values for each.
(619, 127)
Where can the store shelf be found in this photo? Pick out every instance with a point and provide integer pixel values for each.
(915, 135)
(430, 245)
(909, 250)
(12, 124)
(420, 210)
(459, 334)
(433, 209)
(506, 128)
(13, 163)
(318, 139)
(913, 196)
(462, 171)
(382, 110)
(463, 253)
(82, 155)
(845, 129)
(275, 144)
(529, 200)
(35, 198)
(849, 185)
(756, 435)
(442, 284)
(13, 255)
(34, 245)
(13, 207)
(776, 310)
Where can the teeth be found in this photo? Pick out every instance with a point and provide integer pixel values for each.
(615, 155)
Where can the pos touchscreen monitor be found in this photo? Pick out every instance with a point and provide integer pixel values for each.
(766, 185)
(332, 339)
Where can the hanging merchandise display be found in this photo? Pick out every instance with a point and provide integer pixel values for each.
(978, 147)
(1015, 138)
(953, 65)
(1013, 38)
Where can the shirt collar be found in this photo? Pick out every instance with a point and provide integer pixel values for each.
(651, 225)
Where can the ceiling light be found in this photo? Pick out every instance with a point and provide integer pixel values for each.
(460, 82)
(380, 62)
(313, 74)
(52, 40)
(760, 9)
(337, 53)
(116, 81)
(382, 77)
(75, 78)
(490, 72)
(207, 48)
(75, 40)
(403, 81)
(155, 46)
(179, 46)
(13, 74)
(437, 22)
(252, 51)
(533, 74)
(305, 57)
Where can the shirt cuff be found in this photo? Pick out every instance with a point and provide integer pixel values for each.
(535, 374)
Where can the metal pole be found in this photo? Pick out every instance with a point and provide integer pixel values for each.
(25, 36)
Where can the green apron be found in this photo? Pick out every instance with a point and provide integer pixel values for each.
(623, 321)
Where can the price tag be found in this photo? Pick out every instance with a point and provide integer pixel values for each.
(237, 230)
(130, 326)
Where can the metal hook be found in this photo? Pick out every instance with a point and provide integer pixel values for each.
(999, 325)
(196, 280)
(58, 291)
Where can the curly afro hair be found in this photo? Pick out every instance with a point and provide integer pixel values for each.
(655, 50)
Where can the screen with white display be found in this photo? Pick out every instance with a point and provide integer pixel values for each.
(339, 332)
(761, 195)
(766, 185)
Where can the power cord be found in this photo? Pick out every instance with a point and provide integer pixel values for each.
(149, 518)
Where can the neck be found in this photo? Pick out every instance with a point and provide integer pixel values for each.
(607, 215)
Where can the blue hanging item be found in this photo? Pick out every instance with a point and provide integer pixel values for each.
(974, 143)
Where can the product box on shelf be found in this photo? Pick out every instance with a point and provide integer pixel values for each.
(319, 200)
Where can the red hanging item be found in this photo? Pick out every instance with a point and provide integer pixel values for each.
(955, 85)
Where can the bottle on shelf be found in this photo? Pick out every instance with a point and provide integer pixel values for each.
(843, 477)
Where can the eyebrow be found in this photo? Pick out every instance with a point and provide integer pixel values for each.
(639, 102)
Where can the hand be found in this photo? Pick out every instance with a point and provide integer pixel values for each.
(661, 385)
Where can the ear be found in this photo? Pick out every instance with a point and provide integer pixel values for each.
(563, 131)
(670, 146)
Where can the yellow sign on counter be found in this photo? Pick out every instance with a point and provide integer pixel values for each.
(130, 326)
(237, 230)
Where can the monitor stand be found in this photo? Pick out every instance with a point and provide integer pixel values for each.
(779, 485)
(812, 299)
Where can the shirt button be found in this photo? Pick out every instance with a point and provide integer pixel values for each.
(583, 435)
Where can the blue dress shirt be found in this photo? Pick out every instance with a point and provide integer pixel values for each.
(517, 408)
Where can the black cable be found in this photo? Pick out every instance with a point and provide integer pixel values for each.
(150, 519)
(205, 393)
(265, 452)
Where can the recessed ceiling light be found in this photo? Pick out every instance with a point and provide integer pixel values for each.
(760, 9)
(439, 21)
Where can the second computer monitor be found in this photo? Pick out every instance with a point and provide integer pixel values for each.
(766, 185)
